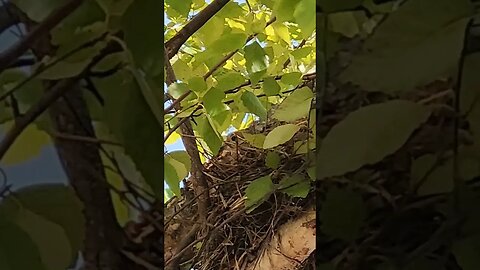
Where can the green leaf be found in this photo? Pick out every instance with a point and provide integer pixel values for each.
(182, 7)
(282, 31)
(254, 105)
(58, 204)
(292, 78)
(295, 106)
(272, 160)
(440, 179)
(212, 30)
(228, 43)
(329, 6)
(344, 23)
(175, 171)
(280, 135)
(255, 57)
(23, 254)
(257, 192)
(302, 52)
(283, 9)
(305, 17)
(230, 80)
(176, 90)
(64, 69)
(295, 186)
(31, 136)
(182, 71)
(183, 157)
(89, 13)
(212, 101)
(342, 214)
(255, 140)
(419, 41)
(270, 86)
(368, 135)
(197, 85)
(51, 240)
(209, 135)
(129, 117)
(146, 46)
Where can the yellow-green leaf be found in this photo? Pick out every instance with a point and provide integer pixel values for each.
(280, 135)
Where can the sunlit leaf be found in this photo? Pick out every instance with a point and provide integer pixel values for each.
(182, 7)
(283, 9)
(228, 43)
(305, 16)
(255, 57)
(280, 135)
(270, 86)
(295, 106)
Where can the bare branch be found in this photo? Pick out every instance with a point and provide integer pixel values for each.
(210, 72)
(38, 108)
(173, 45)
(10, 15)
(18, 49)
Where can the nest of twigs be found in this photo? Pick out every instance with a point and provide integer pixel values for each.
(398, 222)
(235, 237)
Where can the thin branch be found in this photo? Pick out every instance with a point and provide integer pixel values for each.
(173, 45)
(18, 49)
(53, 63)
(78, 138)
(38, 108)
(199, 183)
(10, 15)
(210, 72)
(181, 122)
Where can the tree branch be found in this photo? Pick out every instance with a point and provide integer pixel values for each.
(200, 185)
(173, 45)
(10, 15)
(8, 57)
(209, 73)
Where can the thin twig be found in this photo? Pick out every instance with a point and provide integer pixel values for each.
(19, 48)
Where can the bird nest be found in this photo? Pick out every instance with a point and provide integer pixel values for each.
(233, 238)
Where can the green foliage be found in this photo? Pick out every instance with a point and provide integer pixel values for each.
(404, 52)
(257, 192)
(379, 130)
(140, 138)
(295, 186)
(295, 106)
(254, 105)
(280, 135)
(24, 254)
(52, 219)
